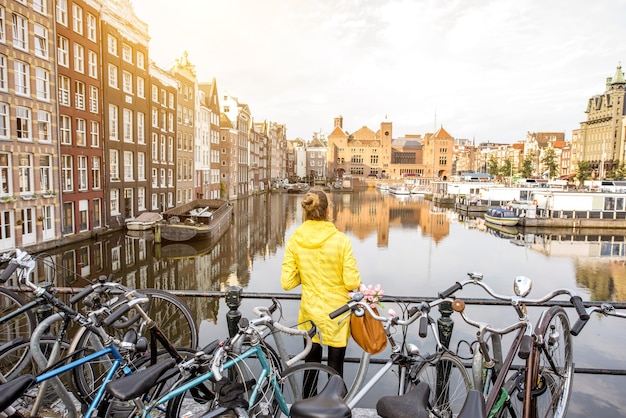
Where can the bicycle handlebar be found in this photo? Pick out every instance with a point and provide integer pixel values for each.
(605, 309)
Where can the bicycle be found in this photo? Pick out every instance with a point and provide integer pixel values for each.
(18, 322)
(548, 369)
(87, 377)
(215, 382)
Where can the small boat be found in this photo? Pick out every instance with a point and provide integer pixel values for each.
(143, 222)
(420, 189)
(199, 219)
(501, 216)
(382, 187)
(399, 189)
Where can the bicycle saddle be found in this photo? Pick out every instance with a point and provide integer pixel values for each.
(328, 403)
(413, 404)
(136, 384)
(12, 389)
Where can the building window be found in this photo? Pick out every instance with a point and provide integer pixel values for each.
(92, 30)
(79, 58)
(82, 173)
(127, 53)
(23, 123)
(3, 33)
(94, 133)
(63, 51)
(95, 173)
(140, 60)
(79, 95)
(113, 130)
(115, 201)
(43, 84)
(81, 132)
(112, 76)
(128, 125)
(97, 213)
(22, 78)
(40, 6)
(4, 84)
(43, 125)
(114, 164)
(155, 94)
(77, 18)
(155, 179)
(128, 166)
(41, 41)
(45, 174)
(62, 12)
(92, 57)
(65, 130)
(141, 132)
(20, 32)
(6, 186)
(68, 218)
(66, 173)
(112, 45)
(141, 166)
(141, 87)
(83, 215)
(93, 99)
(64, 90)
(127, 82)
(26, 173)
(141, 198)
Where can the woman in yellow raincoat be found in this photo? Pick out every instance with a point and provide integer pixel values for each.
(319, 257)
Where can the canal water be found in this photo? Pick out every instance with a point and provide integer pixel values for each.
(410, 248)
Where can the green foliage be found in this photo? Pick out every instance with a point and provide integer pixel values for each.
(507, 168)
(527, 166)
(492, 167)
(619, 173)
(583, 171)
(550, 162)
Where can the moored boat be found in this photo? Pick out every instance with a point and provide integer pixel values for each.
(399, 189)
(501, 216)
(143, 222)
(199, 219)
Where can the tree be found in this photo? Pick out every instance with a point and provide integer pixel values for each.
(549, 161)
(619, 173)
(527, 166)
(583, 171)
(507, 168)
(493, 166)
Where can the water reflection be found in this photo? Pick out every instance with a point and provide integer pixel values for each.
(261, 224)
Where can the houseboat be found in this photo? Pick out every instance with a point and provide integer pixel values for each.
(196, 220)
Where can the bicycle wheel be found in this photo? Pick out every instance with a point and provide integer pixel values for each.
(49, 398)
(303, 381)
(236, 386)
(173, 317)
(114, 408)
(17, 328)
(449, 383)
(553, 369)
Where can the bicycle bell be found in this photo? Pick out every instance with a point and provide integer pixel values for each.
(522, 286)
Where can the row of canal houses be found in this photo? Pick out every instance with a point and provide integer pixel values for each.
(93, 133)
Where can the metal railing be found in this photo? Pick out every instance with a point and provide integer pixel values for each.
(235, 294)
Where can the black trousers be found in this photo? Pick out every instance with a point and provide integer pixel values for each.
(336, 356)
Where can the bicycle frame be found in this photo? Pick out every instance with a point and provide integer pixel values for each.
(266, 373)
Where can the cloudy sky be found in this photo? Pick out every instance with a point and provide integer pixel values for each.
(489, 70)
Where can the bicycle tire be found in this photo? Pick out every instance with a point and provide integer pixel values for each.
(18, 328)
(293, 380)
(174, 317)
(164, 308)
(554, 366)
(113, 408)
(447, 394)
(192, 404)
(24, 403)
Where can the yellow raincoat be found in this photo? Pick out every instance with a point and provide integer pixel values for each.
(319, 257)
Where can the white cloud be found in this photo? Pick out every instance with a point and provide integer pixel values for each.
(485, 69)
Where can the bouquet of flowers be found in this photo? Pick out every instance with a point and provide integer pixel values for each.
(371, 295)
